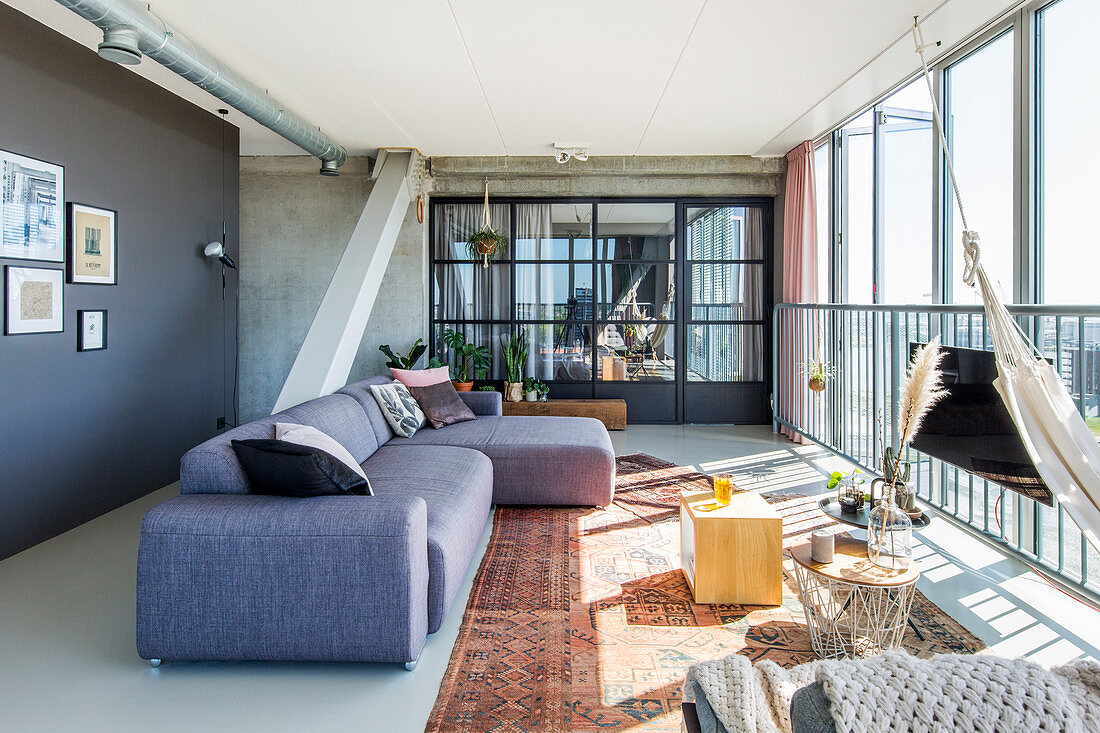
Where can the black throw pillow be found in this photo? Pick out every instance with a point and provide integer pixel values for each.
(288, 469)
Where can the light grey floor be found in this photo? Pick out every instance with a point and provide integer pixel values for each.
(67, 659)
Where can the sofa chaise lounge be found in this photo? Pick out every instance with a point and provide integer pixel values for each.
(224, 574)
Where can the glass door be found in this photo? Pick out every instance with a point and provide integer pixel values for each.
(728, 294)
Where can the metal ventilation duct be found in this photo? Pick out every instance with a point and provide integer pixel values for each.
(182, 56)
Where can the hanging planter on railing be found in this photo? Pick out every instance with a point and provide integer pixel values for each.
(486, 243)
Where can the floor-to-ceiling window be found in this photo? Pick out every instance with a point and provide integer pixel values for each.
(597, 286)
(884, 243)
(978, 115)
(1068, 160)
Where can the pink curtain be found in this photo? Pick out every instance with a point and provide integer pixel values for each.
(799, 279)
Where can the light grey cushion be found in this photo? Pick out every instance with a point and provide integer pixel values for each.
(537, 460)
(399, 408)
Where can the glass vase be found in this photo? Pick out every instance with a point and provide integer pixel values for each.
(889, 535)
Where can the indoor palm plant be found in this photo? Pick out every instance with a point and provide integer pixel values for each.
(469, 360)
(515, 350)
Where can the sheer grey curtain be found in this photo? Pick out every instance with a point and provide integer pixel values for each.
(536, 290)
(464, 289)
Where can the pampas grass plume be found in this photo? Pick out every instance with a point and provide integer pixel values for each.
(923, 388)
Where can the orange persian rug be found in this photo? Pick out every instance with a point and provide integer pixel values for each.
(580, 619)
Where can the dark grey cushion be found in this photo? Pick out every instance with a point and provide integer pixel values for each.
(441, 404)
(810, 711)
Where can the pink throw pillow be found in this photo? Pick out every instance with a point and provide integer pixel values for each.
(421, 377)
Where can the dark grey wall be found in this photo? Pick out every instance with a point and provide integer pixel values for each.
(83, 433)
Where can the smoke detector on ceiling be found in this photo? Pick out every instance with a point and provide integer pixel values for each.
(564, 151)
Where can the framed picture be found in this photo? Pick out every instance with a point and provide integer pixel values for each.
(91, 330)
(93, 251)
(32, 197)
(33, 300)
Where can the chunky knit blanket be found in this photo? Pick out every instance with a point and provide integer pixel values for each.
(899, 692)
(749, 698)
(950, 692)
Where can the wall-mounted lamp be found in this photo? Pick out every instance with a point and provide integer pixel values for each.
(216, 250)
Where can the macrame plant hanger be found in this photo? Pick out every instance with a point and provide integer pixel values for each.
(1057, 439)
(486, 224)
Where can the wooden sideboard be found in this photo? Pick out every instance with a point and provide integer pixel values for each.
(612, 413)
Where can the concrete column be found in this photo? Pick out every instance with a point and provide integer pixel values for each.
(325, 359)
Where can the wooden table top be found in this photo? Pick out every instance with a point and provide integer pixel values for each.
(850, 565)
(743, 505)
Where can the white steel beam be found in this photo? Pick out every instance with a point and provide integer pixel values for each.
(325, 359)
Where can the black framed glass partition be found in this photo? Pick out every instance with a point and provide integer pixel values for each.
(596, 284)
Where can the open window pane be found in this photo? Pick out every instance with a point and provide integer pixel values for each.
(1069, 159)
(857, 229)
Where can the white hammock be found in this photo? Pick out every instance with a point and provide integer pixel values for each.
(1060, 444)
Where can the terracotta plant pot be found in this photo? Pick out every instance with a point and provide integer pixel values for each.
(463, 386)
(513, 391)
(817, 385)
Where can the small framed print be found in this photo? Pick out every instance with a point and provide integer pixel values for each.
(33, 300)
(93, 251)
(91, 330)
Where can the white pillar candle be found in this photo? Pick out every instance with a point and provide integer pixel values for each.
(821, 546)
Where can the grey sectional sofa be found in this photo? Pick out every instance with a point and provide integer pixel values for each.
(224, 574)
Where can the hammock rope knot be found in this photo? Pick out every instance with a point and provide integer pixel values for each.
(972, 255)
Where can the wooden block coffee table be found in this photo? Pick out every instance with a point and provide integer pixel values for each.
(731, 554)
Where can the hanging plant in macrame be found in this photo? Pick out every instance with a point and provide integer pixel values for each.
(486, 243)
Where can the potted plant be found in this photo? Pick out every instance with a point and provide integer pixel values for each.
(818, 372)
(530, 389)
(398, 361)
(469, 360)
(543, 389)
(849, 490)
(486, 244)
(486, 388)
(515, 351)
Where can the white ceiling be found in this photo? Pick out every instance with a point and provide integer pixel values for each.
(496, 77)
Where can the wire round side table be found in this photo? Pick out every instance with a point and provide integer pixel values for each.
(853, 607)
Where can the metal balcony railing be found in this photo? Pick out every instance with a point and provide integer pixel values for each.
(855, 415)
